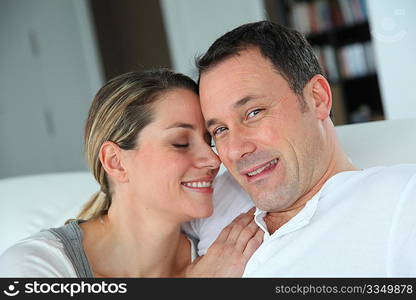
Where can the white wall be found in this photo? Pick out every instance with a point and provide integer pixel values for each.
(393, 28)
(192, 26)
(49, 72)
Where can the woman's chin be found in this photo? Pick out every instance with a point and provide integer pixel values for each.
(201, 212)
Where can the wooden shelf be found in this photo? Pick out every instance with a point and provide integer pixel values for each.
(366, 77)
(346, 49)
(340, 36)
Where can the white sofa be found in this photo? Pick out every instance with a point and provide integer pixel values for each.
(30, 203)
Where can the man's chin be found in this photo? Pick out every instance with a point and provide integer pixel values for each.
(270, 202)
(262, 203)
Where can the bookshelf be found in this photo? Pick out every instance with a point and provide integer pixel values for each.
(339, 33)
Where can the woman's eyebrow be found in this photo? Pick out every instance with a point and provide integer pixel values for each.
(181, 125)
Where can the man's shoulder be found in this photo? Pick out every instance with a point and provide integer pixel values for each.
(224, 180)
(381, 186)
(395, 173)
(227, 191)
(391, 179)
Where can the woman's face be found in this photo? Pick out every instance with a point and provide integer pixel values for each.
(172, 169)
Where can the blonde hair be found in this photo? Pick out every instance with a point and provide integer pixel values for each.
(119, 111)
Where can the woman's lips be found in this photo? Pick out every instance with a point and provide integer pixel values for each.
(202, 185)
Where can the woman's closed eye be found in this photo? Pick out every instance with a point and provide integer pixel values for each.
(180, 145)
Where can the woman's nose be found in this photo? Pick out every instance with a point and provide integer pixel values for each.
(208, 159)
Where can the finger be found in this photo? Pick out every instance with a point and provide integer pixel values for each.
(196, 260)
(238, 226)
(254, 243)
(245, 236)
(251, 210)
(222, 237)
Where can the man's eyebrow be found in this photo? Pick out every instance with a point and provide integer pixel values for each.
(237, 104)
(212, 122)
(244, 100)
(181, 125)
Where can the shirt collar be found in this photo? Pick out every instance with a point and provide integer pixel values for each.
(303, 217)
(299, 220)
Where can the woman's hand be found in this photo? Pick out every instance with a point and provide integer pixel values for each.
(228, 255)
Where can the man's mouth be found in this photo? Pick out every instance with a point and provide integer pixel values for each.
(258, 171)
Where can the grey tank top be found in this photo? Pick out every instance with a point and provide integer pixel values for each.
(71, 237)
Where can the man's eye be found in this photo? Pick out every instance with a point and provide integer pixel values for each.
(253, 113)
(219, 130)
(180, 145)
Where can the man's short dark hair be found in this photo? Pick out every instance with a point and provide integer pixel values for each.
(288, 50)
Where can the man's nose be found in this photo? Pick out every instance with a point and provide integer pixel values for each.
(240, 143)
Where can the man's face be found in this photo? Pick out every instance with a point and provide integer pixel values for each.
(265, 139)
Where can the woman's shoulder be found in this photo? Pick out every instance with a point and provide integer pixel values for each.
(39, 255)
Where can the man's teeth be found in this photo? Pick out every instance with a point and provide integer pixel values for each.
(259, 170)
(198, 184)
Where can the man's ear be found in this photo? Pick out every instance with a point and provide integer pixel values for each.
(110, 157)
(320, 92)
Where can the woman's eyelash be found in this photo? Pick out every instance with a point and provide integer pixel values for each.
(180, 145)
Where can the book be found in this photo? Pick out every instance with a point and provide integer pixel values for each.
(331, 63)
(369, 57)
(346, 10)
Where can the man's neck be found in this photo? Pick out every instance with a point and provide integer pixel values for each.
(338, 163)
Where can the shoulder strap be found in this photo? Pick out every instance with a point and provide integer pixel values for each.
(194, 248)
(71, 237)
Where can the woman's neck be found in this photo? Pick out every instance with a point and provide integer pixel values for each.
(121, 246)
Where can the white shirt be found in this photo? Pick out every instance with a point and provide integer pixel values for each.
(360, 224)
(39, 255)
